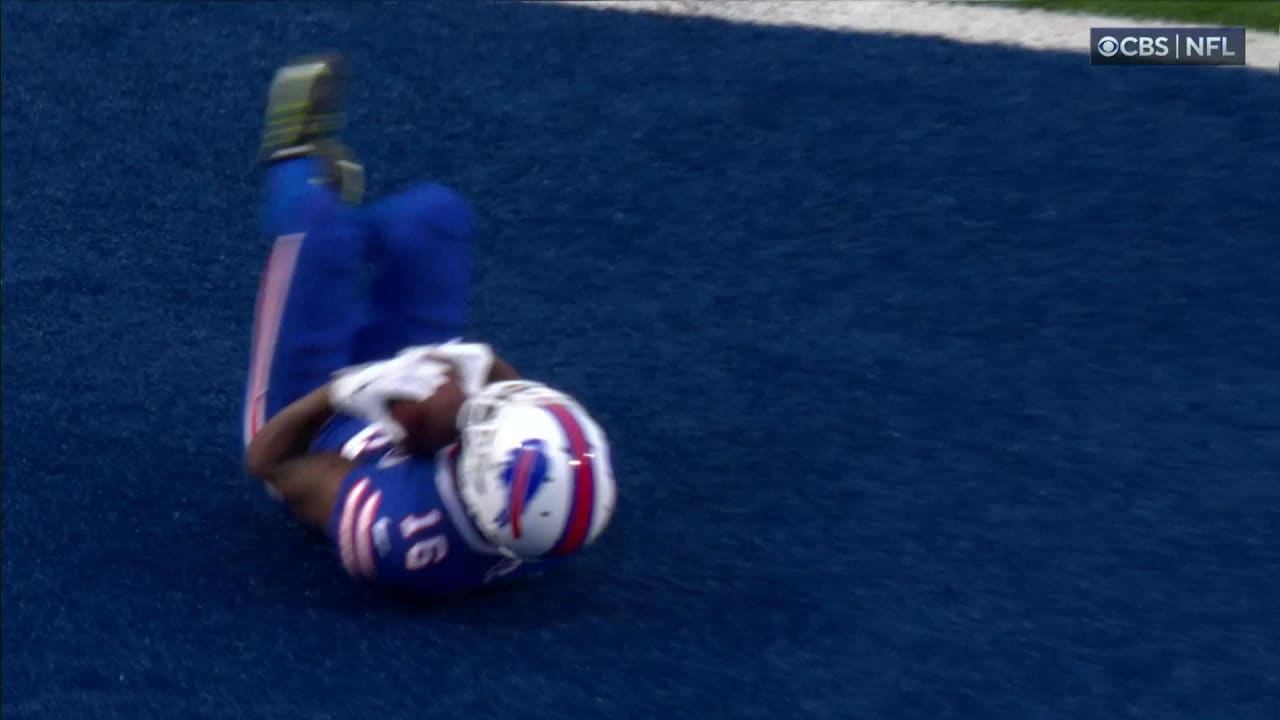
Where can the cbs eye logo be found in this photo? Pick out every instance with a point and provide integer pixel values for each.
(1108, 46)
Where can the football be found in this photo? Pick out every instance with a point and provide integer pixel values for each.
(430, 424)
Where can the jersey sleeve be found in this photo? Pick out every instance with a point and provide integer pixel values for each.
(384, 532)
(361, 510)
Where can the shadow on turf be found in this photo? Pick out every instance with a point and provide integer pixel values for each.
(534, 604)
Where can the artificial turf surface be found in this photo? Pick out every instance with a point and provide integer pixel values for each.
(941, 378)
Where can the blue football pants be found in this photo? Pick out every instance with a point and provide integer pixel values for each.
(349, 284)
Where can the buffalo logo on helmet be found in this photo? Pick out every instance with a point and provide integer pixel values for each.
(524, 473)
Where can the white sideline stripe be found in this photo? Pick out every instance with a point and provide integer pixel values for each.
(991, 24)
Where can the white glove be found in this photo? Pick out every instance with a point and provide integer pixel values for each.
(472, 360)
(366, 391)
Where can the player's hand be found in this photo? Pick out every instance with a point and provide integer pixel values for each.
(366, 391)
(473, 361)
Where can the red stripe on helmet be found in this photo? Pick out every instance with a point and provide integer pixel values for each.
(584, 483)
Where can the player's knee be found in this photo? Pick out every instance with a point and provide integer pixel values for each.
(440, 210)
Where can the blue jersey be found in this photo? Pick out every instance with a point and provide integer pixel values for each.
(399, 521)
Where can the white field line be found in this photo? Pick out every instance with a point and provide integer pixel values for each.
(990, 24)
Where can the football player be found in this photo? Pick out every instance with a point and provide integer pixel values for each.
(529, 479)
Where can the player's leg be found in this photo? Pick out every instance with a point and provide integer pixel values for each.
(421, 250)
(310, 303)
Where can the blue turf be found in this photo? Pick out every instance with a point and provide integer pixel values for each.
(942, 378)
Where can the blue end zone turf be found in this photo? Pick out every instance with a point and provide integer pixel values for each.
(942, 377)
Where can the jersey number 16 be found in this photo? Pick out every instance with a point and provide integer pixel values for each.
(423, 552)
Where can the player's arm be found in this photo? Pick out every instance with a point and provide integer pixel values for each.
(288, 434)
(501, 371)
(307, 482)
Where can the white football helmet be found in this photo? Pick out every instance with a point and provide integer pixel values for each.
(534, 471)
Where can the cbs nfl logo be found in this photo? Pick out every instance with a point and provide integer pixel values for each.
(1166, 46)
